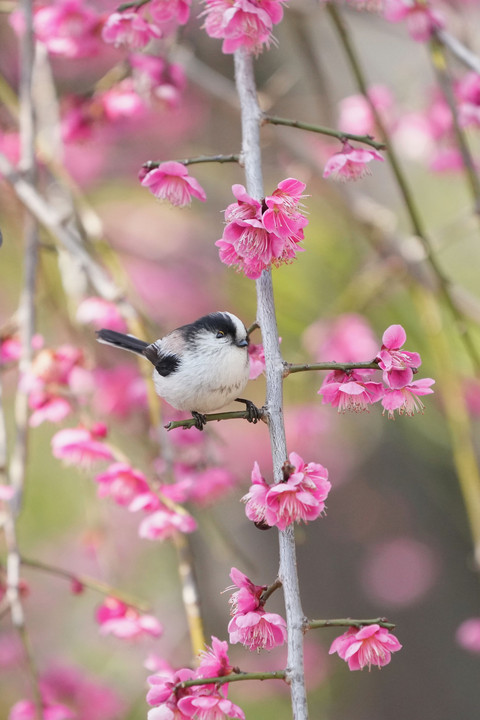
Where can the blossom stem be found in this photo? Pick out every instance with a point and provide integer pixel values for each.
(233, 157)
(233, 677)
(290, 368)
(348, 622)
(270, 590)
(191, 422)
(251, 121)
(86, 581)
(417, 225)
(342, 136)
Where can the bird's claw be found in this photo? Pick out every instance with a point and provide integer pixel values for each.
(253, 413)
(200, 420)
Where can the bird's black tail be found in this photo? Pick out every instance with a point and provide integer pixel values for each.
(117, 339)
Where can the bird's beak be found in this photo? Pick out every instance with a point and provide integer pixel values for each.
(242, 343)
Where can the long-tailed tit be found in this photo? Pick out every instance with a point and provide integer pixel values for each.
(200, 367)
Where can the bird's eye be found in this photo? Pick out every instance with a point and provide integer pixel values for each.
(220, 334)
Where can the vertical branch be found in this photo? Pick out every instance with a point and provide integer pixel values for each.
(26, 319)
(26, 311)
(251, 120)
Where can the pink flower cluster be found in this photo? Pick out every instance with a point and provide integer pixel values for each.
(135, 27)
(351, 163)
(258, 234)
(68, 28)
(251, 625)
(81, 446)
(355, 390)
(153, 83)
(421, 19)
(168, 700)
(125, 622)
(242, 23)
(364, 647)
(57, 380)
(170, 181)
(67, 693)
(300, 497)
(129, 488)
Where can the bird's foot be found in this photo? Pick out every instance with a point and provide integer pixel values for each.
(200, 420)
(253, 413)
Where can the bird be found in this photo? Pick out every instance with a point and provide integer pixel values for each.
(199, 367)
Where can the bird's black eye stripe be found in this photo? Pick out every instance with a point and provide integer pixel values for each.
(218, 323)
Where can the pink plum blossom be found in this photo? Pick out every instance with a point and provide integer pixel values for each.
(209, 706)
(256, 498)
(300, 497)
(11, 347)
(352, 391)
(356, 115)
(406, 399)
(47, 407)
(397, 364)
(348, 338)
(420, 18)
(119, 391)
(202, 487)
(100, 313)
(256, 356)
(164, 523)
(257, 629)
(214, 660)
(351, 163)
(129, 28)
(89, 699)
(81, 446)
(27, 710)
(170, 12)
(122, 483)
(68, 28)
(282, 216)
(161, 692)
(250, 624)
(170, 181)
(242, 23)
(123, 621)
(467, 91)
(367, 646)
(121, 101)
(253, 246)
(247, 597)
(157, 79)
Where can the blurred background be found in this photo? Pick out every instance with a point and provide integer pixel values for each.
(396, 540)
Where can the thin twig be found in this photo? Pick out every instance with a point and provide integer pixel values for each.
(233, 677)
(331, 132)
(215, 417)
(348, 622)
(233, 158)
(86, 581)
(290, 368)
